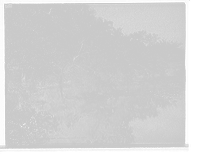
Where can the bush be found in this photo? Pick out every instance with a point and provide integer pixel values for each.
(22, 128)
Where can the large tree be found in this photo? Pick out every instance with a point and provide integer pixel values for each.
(131, 75)
(175, 56)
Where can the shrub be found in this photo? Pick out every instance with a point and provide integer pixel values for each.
(22, 128)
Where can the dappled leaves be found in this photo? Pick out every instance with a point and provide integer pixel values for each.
(35, 42)
(74, 78)
(24, 128)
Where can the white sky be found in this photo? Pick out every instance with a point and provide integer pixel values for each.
(167, 19)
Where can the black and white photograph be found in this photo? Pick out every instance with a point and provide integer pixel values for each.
(95, 75)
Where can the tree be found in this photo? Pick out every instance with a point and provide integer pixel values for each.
(159, 59)
(40, 33)
(175, 56)
(141, 40)
(22, 128)
(131, 74)
(29, 47)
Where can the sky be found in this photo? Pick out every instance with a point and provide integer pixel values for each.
(166, 19)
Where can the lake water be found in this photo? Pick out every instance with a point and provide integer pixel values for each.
(166, 128)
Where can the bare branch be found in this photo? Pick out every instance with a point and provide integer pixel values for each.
(79, 52)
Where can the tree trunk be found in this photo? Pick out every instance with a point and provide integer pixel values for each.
(60, 86)
(61, 79)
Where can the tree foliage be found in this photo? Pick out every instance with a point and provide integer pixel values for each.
(101, 74)
(22, 128)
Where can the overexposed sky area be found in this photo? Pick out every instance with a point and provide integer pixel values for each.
(165, 19)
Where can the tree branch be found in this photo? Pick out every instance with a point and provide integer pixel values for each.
(78, 54)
